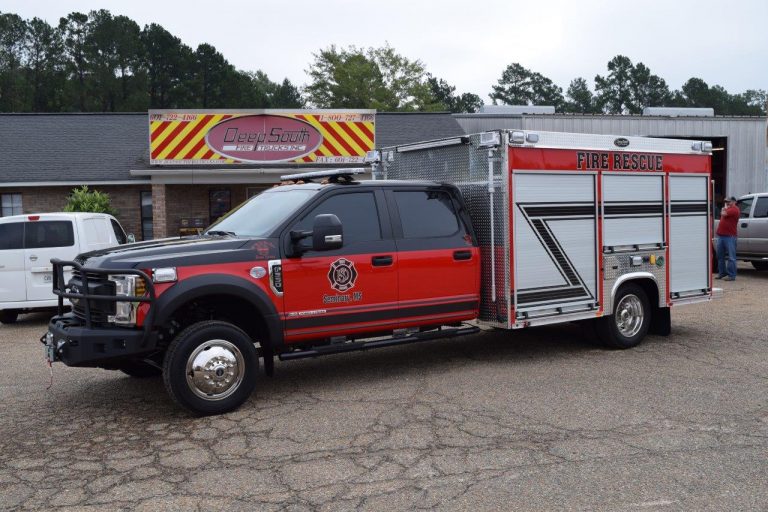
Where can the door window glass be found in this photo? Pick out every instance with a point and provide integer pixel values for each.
(426, 214)
(12, 235)
(51, 233)
(745, 205)
(761, 208)
(119, 233)
(357, 212)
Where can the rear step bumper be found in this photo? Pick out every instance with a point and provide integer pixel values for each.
(378, 343)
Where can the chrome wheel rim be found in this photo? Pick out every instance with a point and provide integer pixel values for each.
(215, 370)
(629, 315)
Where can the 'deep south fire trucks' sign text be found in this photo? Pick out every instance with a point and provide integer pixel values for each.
(222, 137)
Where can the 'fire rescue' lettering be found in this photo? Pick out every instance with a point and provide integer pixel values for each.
(590, 161)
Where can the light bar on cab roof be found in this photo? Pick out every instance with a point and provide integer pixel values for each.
(323, 174)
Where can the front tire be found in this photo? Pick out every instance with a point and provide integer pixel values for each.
(631, 318)
(210, 368)
(8, 316)
(760, 265)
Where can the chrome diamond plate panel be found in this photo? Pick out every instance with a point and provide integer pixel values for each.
(619, 265)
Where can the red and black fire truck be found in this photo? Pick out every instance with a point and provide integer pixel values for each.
(504, 229)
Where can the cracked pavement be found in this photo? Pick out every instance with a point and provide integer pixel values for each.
(529, 420)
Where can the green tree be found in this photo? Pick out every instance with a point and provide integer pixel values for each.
(286, 95)
(168, 63)
(128, 69)
(579, 99)
(74, 29)
(211, 74)
(520, 86)
(648, 90)
(377, 78)
(13, 31)
(628, 88)
(445, 94)
(614, 91)
(84, 200)
(45, 68)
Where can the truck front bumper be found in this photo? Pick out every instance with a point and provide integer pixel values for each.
(69, 341)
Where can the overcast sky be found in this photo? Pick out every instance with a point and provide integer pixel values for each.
(469, 42)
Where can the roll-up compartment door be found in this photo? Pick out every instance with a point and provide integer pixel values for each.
(689, 243)
(633, 211)
(555, 255)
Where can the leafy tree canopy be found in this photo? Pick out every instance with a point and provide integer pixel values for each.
(378, 78)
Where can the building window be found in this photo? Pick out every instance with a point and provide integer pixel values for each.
(146, 215)
(11, 205)
(220, 203)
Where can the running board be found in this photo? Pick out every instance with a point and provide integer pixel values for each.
(386, 342)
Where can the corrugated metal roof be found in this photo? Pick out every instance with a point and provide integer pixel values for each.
(99, 147)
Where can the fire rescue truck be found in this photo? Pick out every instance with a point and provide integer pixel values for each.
(504, 229)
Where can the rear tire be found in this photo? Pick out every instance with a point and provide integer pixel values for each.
(210, 368)
(760, 265)
(631, 318)
(8, 316)
(140, 369)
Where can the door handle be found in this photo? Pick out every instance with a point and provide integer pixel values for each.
(33, 258)
(381, 261)
(744, 224)
(462, 255)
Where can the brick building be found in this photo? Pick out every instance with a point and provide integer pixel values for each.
(45, 156)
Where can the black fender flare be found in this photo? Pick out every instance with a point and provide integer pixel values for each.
(219, 284)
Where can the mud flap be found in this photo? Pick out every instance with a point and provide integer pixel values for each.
(661, 322)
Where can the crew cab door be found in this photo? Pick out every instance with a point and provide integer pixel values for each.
(346, 291)
(744, 227)
(438, 263)
(12, 281)
(759, 227)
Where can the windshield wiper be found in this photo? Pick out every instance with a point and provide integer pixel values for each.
(221, 233)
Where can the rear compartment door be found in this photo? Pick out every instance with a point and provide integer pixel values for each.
(689, 243)
(555, 243)
(12, 281)
(43, 240)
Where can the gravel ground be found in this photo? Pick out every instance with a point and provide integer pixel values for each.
(531, 420)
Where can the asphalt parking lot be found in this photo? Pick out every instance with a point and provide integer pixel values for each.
(534, 420)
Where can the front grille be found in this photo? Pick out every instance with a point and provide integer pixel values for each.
(98, 284)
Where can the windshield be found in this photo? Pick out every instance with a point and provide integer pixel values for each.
(260, 215)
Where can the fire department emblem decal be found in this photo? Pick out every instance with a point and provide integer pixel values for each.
(342, 275)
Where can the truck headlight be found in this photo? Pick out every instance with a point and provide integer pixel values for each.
(129, 286)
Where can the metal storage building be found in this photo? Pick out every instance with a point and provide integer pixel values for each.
(740, 159)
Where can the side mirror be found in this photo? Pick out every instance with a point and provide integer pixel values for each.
(326, 233)
(131, 238)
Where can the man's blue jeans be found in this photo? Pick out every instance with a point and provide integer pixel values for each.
(726, 256)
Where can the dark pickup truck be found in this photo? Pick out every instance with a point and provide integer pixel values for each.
(298, 271)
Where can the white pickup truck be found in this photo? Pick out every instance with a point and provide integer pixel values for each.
(27, 244)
